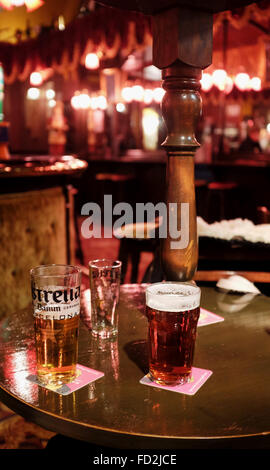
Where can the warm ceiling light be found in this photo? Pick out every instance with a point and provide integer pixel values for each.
(91, 61)
(61, 23)
(150, 121)
(33, 93)
(6, 4)
(75, 100)
(36, 78)
(228, 85)
(102, 102)
(17, 3)
(31, 5)
(242, 81)
(255, 84)
(152, 73)
(158, 94)
(84, 101)
(127, 94)
(50, 94)
(148, 96)
(219, 79)
(51, 103)
(206, 81)
(137, 92)
(94, 102)
(120, 107)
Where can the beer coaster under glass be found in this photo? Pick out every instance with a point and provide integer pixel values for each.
(198, 378)
(84, 376)
(208, 318)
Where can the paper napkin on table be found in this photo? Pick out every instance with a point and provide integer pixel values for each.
(237, 283)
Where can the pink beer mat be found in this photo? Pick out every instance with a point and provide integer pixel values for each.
(207, 318)
(84, 377)
(198, 378)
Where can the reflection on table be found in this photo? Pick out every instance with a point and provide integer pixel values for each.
(116, 410)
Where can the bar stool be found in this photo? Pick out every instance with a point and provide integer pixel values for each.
(219, 195)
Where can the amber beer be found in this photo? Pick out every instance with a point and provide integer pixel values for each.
(56, 349)
(56, 308)
(173, 311)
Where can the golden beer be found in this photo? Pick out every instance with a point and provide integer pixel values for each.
(56, 309)
(56, 349)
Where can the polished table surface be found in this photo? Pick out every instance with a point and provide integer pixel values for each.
(23, 166)
(116, 410)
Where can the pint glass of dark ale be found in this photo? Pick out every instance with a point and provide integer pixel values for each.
(173, 310)
(56, 309)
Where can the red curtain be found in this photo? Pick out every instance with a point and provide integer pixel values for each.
(106, 29)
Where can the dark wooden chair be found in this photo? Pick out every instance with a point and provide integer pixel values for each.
(117, 184)
(219, 200)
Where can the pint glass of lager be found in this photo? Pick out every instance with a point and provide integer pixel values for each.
(56, 309)
(173, 310)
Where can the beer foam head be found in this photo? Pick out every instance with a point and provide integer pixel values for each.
(173, 296)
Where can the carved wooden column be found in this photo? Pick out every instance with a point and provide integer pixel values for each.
(182, 47)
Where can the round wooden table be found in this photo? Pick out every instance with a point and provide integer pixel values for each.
(229, 410)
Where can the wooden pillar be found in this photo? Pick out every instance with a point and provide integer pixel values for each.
(182, 47)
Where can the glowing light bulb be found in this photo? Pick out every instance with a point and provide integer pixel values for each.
(137, 93)
(148, 96)
(33, 93)
(17, 3)
(120, 108)
(255, 84)
(158, 94)
(50, 94)
(61, 23)
(94, 102)
(92, 61)
(32, 5)
(51, 103)
(127, 94)
(84, 101)
(206, 81)
(150, 124)
(36, 78)
(75, 100)
(102, 102)
(228, 85)
(242, 81)
(219, 79)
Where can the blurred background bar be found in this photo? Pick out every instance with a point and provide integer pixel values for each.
(80, 117)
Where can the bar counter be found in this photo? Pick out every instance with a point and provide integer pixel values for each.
(249, 173)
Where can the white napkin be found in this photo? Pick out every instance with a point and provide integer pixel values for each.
(235, 228)
(237, 283)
